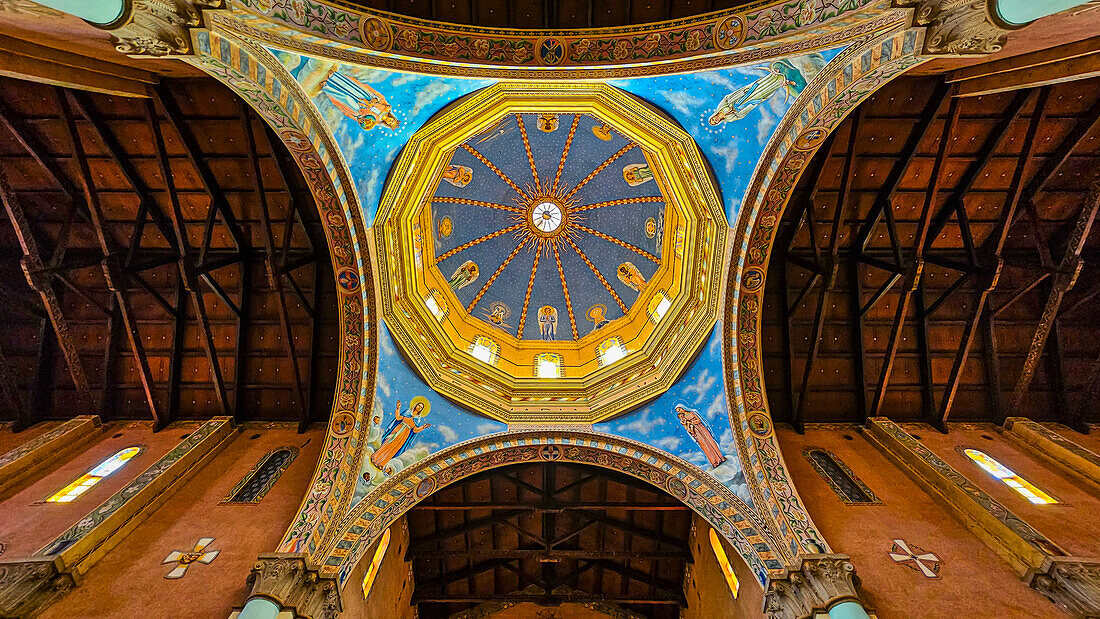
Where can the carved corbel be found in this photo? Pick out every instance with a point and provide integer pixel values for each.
(815, 584)
(29, 585)
(158, 28)
(1072, 583)
(287, 580)
(958, 27)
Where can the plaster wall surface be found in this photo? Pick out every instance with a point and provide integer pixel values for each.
(1090, 441)
(973, 580)
(29, 523)
(129, 581)
(391, 594)
(708, 595)
(10, 440)
(1072, 524)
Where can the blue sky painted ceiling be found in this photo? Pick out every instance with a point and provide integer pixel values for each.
(604, 208)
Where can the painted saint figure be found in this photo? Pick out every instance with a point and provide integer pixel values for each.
(463, 276)
(780, 75)
(548, 322)
(597, 314)
(497, 313)
(548, 123)
(458, 175)
(399, 434)
(359, 102)
(637, 174)
(700, 432)
(631, 276)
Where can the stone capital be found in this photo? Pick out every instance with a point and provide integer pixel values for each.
(814, 584)
(1072, 583)
(957, 27)
(159, 28)
(29, 585)
(287, 580)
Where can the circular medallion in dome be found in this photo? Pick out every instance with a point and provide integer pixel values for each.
(550, 252)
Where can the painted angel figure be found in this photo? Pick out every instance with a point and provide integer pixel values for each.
(399, 435)
(780, 75)
(700, 432)
(358, 101)
(548, 322)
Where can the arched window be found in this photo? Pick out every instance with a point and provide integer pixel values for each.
(839, 477)
(1010, 479)
(375, 561)
(724, 563)
(255, 484)
(104, 469)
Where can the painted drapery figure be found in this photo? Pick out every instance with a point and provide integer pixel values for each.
(358, 101)
(399, 434)
(700, 432)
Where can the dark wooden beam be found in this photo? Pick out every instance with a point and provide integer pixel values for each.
(186, 264)
(916, 265)
(9, 389)
(657, 537)
(1069, 268)
(473, 525)
(32, 264)
(45, 379)
(112, 271)
(992, 247)
(272, 268)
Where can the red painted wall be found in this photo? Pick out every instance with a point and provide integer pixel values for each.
(29, 523)
(973, 582)
(129, 581)
(1072, 524)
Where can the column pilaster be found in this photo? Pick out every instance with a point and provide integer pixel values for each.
(815, 584)
(287, 580)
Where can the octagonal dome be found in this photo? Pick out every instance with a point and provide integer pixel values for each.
(549, 253)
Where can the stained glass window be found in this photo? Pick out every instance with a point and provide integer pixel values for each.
(375, 561)
(840, 478)
(1010, 479)
(724, 563)
(85, 482)
(256, 483)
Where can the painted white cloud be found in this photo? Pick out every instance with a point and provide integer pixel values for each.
(448, 433)
(717, 407)
(488, 428)
(668, 443)
(700, 387)
(727, 155)
(682, 101)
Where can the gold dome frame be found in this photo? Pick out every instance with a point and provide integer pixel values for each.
(437, 345)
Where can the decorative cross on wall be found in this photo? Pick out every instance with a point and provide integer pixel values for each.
(184, 559)
(915, 558)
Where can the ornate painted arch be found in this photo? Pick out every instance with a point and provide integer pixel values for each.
(846, 81)
(705, 495)
(255, 75)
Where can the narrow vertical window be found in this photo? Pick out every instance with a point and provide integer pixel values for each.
(840, 478)
(375, 561)
(1010, 479)
(724, 563)
(259, 480)
(85, 482)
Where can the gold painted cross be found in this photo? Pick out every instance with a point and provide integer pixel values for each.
(184, 559)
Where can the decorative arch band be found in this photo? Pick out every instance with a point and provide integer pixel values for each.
(849, 78)
(707, 496)
(263, 83)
